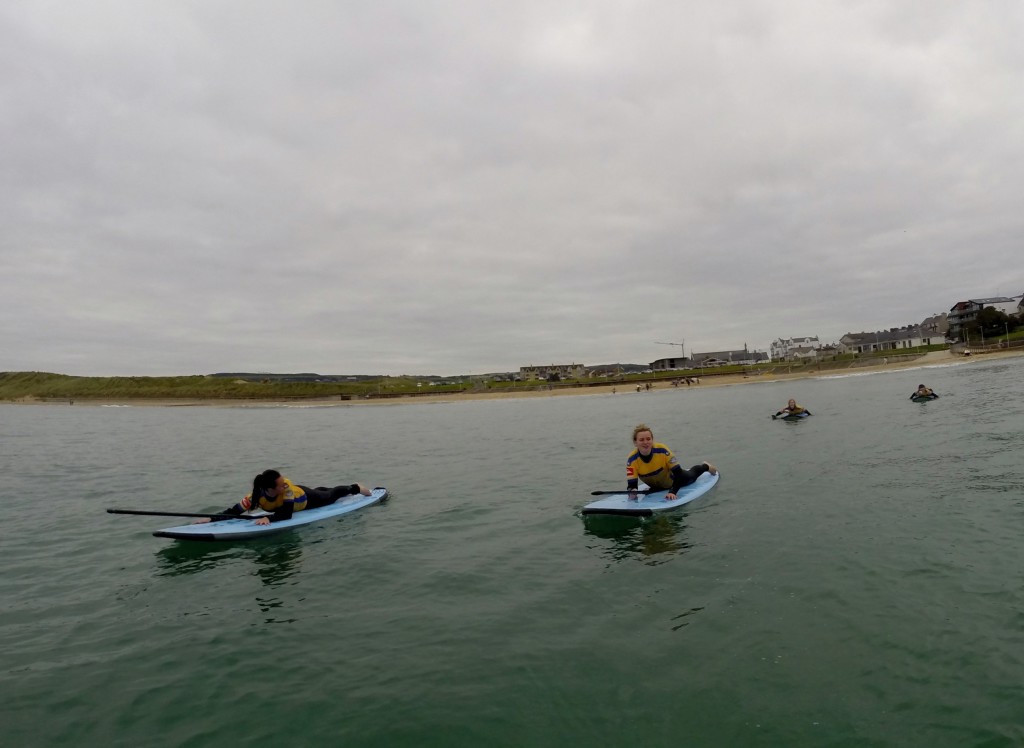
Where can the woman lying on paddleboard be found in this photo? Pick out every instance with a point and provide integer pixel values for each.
(272, 492)
(793, 409)
(923, 391)
(654, 464)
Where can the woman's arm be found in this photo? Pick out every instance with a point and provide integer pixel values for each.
(285, 511)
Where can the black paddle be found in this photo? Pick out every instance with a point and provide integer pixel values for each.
(612, 493)
(184, 514)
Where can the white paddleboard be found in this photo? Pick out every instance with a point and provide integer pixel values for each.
(242, 529)
(648, 504)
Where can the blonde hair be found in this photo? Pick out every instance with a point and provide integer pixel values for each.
(641, 427)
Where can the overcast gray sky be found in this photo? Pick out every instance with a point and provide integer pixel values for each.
(465, 187)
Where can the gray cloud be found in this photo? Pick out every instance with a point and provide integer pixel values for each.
(197, 187)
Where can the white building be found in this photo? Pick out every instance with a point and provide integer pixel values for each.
(895, 339)
(793, 349)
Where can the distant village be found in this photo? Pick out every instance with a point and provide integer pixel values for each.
(947, 328)
(960, 326)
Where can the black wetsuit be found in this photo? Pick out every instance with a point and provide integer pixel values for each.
(315, 497)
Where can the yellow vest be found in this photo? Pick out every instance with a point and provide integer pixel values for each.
(658, 472)
(291, 494)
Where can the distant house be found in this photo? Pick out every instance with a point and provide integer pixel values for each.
(965, 312)
(801, 353)
(672, 364)
(708, 360)
(937, 324)
(727, 358)
(782, 348)
(613, 370)
(564, 371)
(894, 339)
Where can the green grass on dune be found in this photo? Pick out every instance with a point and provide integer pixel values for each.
(46, 386)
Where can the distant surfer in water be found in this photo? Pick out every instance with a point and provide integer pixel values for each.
(923, 391)
(654, 464)
(793, 408)
(274, 493)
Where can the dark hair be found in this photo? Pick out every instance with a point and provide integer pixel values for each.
(263, 481)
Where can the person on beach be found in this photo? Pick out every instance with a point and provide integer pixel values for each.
(923, 391)
(793, 408)
(274, 493)
(654, 464)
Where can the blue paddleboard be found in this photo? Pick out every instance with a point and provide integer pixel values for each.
(242, 529)
(647, 504)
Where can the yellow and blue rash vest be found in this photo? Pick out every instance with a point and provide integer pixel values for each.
(796, 410)
(656, 471)
(291, 494)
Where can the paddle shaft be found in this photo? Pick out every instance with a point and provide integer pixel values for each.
(612, 493)
(182, 514)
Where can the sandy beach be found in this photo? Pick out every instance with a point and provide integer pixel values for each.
(935, 358)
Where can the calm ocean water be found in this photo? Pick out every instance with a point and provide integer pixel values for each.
(854, 579)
